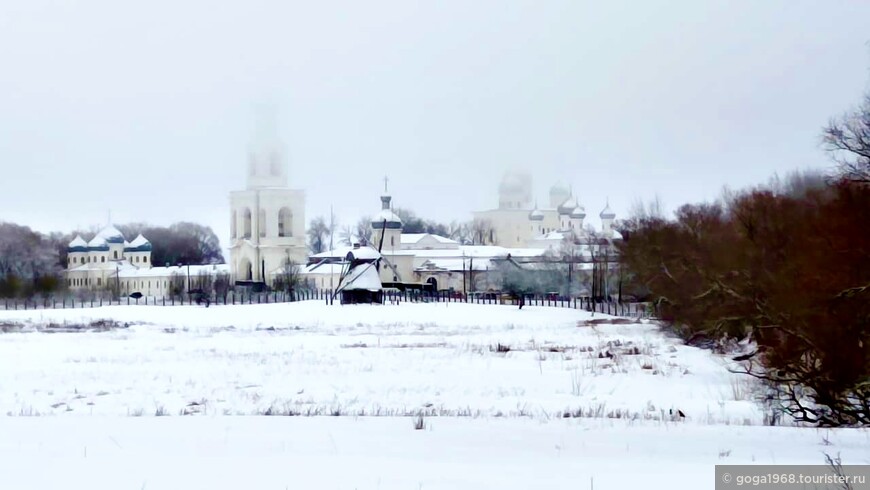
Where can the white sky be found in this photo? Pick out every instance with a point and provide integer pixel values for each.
(146, 108)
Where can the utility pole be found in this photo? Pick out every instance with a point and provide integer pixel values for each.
(255, 231)
(464, 290)
(331, 226)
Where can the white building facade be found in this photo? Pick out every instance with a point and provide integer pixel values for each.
(267, 218)
(108, 262)
(519, 222)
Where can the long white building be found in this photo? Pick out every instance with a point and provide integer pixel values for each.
(108, 262)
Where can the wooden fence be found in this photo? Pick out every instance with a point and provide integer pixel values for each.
(634, 310)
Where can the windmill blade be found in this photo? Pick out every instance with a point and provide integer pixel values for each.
(381, 244)
(345, 270)
(383, 232)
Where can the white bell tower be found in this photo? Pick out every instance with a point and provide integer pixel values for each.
(267, 164)
(267, 219)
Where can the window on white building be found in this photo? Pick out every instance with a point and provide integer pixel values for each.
(247, 220)
(261, 223)
(285, 222)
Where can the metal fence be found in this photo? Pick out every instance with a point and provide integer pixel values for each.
(626, 309)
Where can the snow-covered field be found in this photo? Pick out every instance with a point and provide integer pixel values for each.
(278, 453)
(510, 398)
(309, 358)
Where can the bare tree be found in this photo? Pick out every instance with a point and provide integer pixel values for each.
(482, 232)
(204, 281)
(461, 232)
(363, 230)
(848, 140)
(288, 279)
(221, 284)
(346, 235)
(28, 262)
(644, 210)
(318, 235)
(177, 285)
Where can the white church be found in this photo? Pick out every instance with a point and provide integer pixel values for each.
(109, 262)
(267, 231)
(267, 228)
(528, 236)
(518, 221)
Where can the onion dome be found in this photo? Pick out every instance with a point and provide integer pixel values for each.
(560, 188)
(139, 244)
(536, 215)
(578, 213)
(386, 218)
(514, 182)
(607, 213)
(111, 235)
(568, 206)
(98, 244)
(78, 245)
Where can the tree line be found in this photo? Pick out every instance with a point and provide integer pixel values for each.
(784, 267)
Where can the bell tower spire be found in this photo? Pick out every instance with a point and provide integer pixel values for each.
(267, 166)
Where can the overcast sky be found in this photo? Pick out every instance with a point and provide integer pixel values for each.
(146, 108)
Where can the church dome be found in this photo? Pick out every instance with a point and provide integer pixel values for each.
(78, 245)
(392, 221)
(386, 218)
(579, 212)
(515, 182)
(560, 188)
(536, 215)
(98, 244)
(111, 235)
(607, 213)
(139, 244)
(568, 206)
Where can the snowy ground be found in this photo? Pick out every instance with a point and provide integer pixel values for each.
(492, 419)
(309, 358)
(278, 453)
